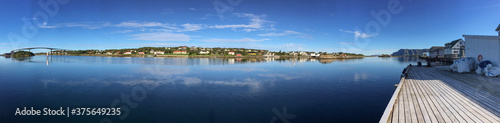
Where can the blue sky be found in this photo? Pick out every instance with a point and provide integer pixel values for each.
(288, 25)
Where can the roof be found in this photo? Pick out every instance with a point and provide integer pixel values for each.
(437, 47)
(452, 43)
(498, 28)
(482, 37)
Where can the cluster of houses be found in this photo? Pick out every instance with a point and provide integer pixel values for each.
(453, 49)
(479, 47)
(197, 50)
(303, 53)
(184, 50)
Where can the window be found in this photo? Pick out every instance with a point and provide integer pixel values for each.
(455, 51)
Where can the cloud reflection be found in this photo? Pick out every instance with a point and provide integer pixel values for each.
(155, 76)
(360, 76)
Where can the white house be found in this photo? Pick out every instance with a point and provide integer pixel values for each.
(269, 54)
(436, 52)
(230, 53)
(454, 49)
(128, 52)
(158, 52)
(314, 55)
(302, 53)
(204, 52)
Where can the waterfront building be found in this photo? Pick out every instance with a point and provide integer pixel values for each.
(204, 52)
(484, 47)
(158, 52)
(454, 49)
(436, 52)
(252, 53)
(180, 52)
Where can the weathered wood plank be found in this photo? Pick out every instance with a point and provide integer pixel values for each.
(436, 105)
(450, 108)
(422, 115)
(477, 111)
(434, 95)
(418, 116)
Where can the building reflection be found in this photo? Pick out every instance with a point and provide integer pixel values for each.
(167, 61)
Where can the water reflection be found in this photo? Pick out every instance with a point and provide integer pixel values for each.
(169, 61)
(47, 61)
(226, 85)
(190, 61)
(407, 60)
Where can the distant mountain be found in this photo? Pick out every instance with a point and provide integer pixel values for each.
(411, 52)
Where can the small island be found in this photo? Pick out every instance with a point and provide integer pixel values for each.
(205, 52)
(22, 54)
(384, 55)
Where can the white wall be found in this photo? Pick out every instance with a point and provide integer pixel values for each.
(487, 46)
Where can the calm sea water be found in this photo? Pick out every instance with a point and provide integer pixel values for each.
(201, 90)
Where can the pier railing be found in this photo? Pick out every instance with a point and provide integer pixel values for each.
(388, 110)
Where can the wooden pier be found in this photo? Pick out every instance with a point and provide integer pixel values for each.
(431, 94)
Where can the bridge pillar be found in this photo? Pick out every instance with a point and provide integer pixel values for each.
(51, 52)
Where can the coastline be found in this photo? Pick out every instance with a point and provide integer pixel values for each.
(214, 56)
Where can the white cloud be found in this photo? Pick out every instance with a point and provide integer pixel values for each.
(249, 30)
(192, 9)
(358, 34)
(45, 26)
(161, 36)
(123, 31)
(256, 23)
(291, 47)
(286, 32)
(243, 40)
(144, 24)
(192, 27)
(75, 25)
(345, 43)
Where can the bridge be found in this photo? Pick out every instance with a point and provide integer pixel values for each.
(29, 49)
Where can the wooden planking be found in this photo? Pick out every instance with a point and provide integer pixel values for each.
(401, 110)
(479, 112)
(418, 104)
(434, 103)
(424, 105)
(433, 95)
(447, 107)
(483, 98)
(390, 107)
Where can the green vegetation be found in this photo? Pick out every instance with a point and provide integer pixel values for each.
(201, 51)
(385, 55)
(22, 54)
